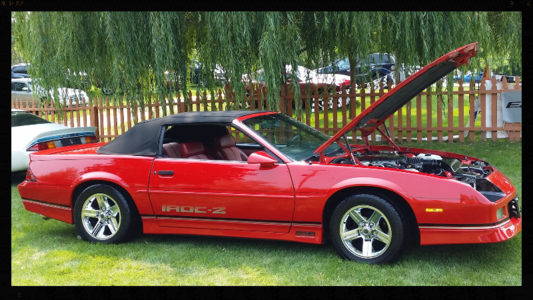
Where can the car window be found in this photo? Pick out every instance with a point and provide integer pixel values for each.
(17, 86)
(294, 139)
(23, 119)
(240, 137)
(343, 64)
(376, 59)
(20, 69)
(372, 59)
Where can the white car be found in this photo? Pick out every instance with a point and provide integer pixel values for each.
(21, 89)
(30, 133)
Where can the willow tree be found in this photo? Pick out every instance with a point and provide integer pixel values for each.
(130, 52)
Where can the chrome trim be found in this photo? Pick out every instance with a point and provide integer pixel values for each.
(217, 220)
(229, 194)
(59, 206)
(465, 227)
(307, 224)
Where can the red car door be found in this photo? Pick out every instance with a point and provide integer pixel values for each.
(218, 194)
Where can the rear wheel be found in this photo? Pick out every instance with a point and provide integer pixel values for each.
(367, 228)
(103, 215)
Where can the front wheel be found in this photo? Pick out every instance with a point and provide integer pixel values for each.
(367, 228)
(103, 215)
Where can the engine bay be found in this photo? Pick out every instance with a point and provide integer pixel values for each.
(469, 172)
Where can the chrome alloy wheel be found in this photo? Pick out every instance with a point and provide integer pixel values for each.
(365, 231)
(100, 216)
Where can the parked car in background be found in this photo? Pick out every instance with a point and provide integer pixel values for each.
(30, 133)
(84, 80)
(510, 79)
(219, 74)
(318, 83)
(21, 90)
(479, 75)
(377, 66)
(468, 77)
(19, 71)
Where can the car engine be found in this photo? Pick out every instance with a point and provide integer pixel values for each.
(472, 174)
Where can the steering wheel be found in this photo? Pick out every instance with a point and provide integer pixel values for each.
(294, 138)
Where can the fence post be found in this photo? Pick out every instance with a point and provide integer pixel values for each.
(94, 119)
(228, 97)
(282, 100)
(483, 111)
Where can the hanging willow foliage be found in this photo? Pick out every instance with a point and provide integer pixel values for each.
(135, 54)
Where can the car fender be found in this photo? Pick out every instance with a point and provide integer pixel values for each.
(370, 182)
(99, 175)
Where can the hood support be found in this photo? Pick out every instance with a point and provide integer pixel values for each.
(369, 119)
(387, 138)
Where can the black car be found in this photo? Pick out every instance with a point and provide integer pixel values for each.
(510, 79)
(219, 74)
(19, 71)
(376, 66)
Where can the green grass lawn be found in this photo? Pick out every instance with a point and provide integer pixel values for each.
(47, 253)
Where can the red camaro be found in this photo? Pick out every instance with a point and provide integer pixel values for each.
(184, 174)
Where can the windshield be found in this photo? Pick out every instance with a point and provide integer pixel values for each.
(296, 140)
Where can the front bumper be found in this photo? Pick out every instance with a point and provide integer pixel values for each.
(502, 231)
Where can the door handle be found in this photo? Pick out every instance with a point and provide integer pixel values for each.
(166, 172)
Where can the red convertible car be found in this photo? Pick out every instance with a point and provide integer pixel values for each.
(185, 174)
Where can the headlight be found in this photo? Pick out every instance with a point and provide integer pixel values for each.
(514, 208)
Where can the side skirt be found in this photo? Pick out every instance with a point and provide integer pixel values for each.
(299, 232)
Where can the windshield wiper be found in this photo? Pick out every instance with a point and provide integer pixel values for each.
(315, 156)
(334, 152)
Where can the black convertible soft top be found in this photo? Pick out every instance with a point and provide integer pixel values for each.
(143, 138)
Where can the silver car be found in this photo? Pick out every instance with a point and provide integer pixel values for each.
(21, 90)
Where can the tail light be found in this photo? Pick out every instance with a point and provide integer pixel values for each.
(29, 175)
(90, 139)
(43, 146)
(63, 142)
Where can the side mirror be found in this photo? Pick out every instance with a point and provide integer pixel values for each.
(262, 158)
(25, 89)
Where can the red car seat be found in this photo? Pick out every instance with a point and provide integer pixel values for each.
(193, 150)
(172, 150)
(226, 150)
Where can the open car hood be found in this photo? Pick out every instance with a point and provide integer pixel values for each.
(372, 117)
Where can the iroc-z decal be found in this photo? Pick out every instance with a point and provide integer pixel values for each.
(194, 209)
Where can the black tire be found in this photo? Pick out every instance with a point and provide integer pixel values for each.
(374, 243)
(112, 213)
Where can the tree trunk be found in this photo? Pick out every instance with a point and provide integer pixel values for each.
(353, 84)
(398, 72)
